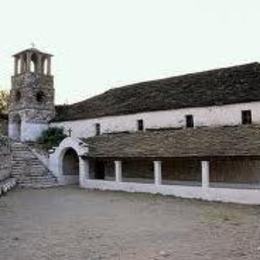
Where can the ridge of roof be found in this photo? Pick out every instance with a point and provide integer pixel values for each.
(235, 84)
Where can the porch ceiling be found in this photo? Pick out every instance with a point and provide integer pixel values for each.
(235, 141)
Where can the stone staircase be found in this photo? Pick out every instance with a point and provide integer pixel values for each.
(28, 170)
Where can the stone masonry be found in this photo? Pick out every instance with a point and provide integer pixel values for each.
(3, 124)
(5, 159)
(31, 96)
(6, 180)
(28, 169)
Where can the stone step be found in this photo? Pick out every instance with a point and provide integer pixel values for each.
(42, 176)
(7, 185)
(16, 164)
(36, 182)
(32, 167)
(22, 158)
(39, 186)
(29, 170)
(28, 179)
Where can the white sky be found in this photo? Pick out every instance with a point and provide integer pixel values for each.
(100, 44)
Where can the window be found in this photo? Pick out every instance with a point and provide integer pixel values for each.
(40, 97)
(140, 125)
(97, 129)
(189, 121)
(246, 117)
(17, 96)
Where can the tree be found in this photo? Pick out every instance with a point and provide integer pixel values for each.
(51, 137)
(4, 101)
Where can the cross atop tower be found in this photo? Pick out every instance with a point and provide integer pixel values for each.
(33, 45)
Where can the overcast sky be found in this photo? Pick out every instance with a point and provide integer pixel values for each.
(101, 44)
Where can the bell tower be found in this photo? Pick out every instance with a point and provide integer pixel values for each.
(31, 96)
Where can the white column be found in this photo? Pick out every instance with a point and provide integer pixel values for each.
(49, 66)
(83, 171)
(21, 64)
(205, 174)
(15, 65)
(118, 171)
(157, 172)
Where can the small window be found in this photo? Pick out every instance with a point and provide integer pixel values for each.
(40, 97)
(98, 128)
(17, 96)
(140, 125)
(246, 117)
(189, 121)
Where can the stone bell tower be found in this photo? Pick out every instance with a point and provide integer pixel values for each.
(31, 96)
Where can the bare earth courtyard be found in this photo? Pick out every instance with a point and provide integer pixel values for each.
(72, 223)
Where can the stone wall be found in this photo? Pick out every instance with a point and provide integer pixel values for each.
(5, 159)
(3, 124)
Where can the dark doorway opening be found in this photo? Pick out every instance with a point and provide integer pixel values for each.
(70, 163)
(99, 170)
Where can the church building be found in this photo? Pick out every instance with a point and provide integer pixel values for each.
(191, 136)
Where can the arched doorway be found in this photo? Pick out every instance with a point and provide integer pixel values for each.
(17, 122)
(70, 163)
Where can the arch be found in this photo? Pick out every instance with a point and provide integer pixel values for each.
(70, 162)
(16, 131)
(34, 61)
(70, 150)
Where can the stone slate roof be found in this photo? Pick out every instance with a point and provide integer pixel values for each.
(33, 50)
(199, 142)
(216, 87)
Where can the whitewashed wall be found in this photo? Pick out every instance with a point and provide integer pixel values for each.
(28, 131)
(204, 116)
(241, 196)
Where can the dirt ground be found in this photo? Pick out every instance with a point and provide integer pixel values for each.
(76, 224)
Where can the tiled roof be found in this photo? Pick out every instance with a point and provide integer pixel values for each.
(216, 87)
(230, 141)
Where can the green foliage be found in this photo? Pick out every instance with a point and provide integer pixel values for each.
(4, 101)
(51, 137)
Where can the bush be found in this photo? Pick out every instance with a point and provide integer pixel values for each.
(51, 137)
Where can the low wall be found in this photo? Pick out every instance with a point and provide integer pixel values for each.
(5, 159)
(243, 196)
